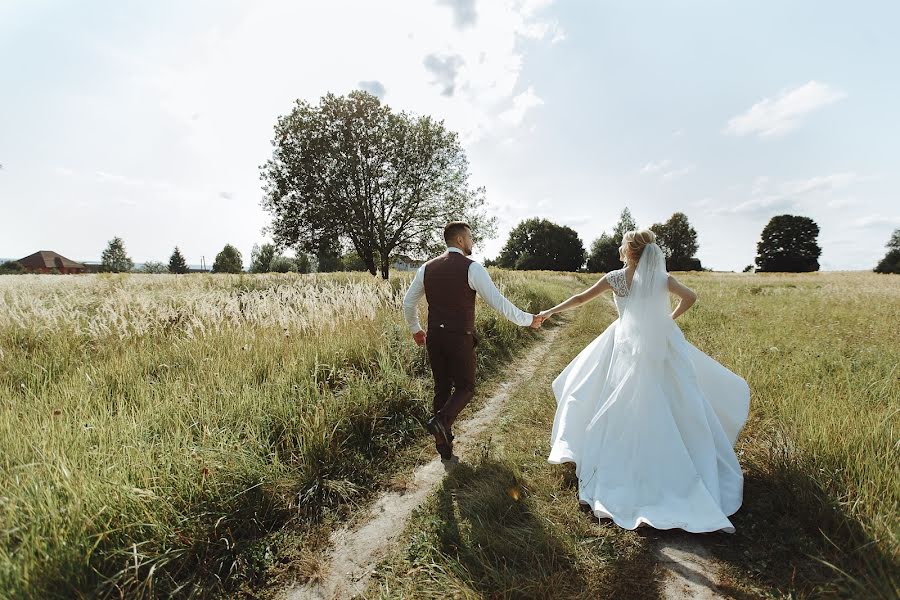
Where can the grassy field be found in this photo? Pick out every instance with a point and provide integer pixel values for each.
(822, 499)
(155, 429)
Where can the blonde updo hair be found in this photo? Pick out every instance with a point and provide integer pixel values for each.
(633, 243)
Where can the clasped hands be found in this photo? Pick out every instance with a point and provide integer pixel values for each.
(536, 322)
(539, 319)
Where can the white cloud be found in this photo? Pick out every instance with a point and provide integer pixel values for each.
(678, 172)
(876, 220)
(655, 167)
(666, 169)
(575, 221)
(779, 115)
(374, 87)
(820, 183)
(792, 194)
(445, 70)
(255, 63)
(521, 104)
(464, 13)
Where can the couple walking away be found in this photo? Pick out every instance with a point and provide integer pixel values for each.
(649, 420)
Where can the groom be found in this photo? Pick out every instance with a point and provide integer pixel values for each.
(449, 284)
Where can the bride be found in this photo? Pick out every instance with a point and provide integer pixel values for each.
(649, 420)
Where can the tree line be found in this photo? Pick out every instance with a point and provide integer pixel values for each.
(541, 244)
(354, 185)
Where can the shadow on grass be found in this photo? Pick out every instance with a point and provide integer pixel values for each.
(793, 536)
(485, 526)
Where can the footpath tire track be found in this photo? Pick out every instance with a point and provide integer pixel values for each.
(689, 570)
(355, 552)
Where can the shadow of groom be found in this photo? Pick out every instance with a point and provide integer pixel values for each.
(485, 524)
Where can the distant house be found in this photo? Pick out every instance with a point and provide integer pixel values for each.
(45, 261)
(405, 263)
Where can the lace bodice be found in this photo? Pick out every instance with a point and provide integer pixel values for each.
(618, 281)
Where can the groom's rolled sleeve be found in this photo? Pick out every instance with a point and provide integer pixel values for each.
(411, 300)
(480, 281)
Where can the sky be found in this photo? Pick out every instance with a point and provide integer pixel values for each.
(149, 120)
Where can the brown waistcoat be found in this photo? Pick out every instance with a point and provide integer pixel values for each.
(451, 302)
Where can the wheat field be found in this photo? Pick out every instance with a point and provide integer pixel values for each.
(154, 428)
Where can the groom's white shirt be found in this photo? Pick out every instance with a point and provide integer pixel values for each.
(479, 280)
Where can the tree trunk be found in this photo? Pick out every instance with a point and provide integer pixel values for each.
(370, 264)
(384, 266)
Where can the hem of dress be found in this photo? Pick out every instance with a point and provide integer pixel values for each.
(558, 458)
(645, 522)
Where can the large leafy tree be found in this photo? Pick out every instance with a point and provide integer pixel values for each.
(114, 259)
(679, 241)
(788, 244)
(891, 261)
(352, 173)
(541, 244)
(261, 258)
(604, 254)
(228, 260)
(154, 267)
(177, 263)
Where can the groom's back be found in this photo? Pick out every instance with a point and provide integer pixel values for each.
(451, 302)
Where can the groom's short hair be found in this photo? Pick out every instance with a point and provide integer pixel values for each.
(453, 229)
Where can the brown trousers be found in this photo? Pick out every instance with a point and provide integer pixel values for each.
(452, 358)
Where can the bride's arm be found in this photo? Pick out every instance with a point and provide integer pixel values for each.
(579, 299)
(687, 295)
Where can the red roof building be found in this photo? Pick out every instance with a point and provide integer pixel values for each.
(45, 261)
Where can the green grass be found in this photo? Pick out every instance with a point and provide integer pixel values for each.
(163, 436)
(163, 428)
(820, 513)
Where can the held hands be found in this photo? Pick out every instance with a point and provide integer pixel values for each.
(539, 319)
(419, 336)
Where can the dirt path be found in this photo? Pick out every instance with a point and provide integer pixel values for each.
(356, 552)
(690, 571)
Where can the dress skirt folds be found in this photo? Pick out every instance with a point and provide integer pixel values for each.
(653, 445)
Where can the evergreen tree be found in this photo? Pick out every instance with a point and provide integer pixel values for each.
(114, 259)
(604, 254)
(177, 264)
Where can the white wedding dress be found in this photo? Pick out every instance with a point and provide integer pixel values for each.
(649, 420)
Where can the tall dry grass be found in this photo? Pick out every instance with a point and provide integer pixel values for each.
(153, 428)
